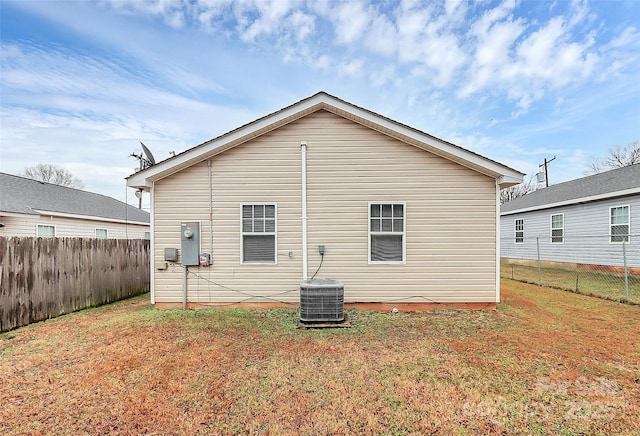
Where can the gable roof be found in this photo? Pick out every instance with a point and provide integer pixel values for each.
(322, 101)
(32, 197)
(610, 184)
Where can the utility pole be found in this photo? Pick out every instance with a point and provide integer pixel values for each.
(546, 172)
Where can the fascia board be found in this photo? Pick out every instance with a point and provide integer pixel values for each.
(435, 145)
(18, 214)
(143, 179)
(588, 199)
(90, 218)
(509, 180)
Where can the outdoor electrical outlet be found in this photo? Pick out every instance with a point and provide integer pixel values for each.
(321, 249)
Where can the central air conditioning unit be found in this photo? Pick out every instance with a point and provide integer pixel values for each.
(321, 300)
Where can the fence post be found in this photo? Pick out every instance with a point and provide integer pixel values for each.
(539, 273)
(626, 276)
(512, 272)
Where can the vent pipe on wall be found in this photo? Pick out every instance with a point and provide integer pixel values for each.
(303, 150)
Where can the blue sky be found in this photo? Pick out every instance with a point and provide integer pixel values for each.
(516, 81)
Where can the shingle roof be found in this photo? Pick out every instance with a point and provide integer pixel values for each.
(617, 182)
(28, 196)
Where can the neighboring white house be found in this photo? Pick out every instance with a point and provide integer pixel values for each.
(32, 208)
(400, 216)
(582, 221)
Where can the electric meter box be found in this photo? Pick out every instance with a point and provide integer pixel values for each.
(190, 239)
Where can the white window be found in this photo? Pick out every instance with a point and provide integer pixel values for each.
(258, 244)
(45, 231)
(619, 220)
(557, 228)
(101, 233)
(387, 226)
(519, 229)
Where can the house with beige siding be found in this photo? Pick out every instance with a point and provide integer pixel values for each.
(325, 189)
(30, 208)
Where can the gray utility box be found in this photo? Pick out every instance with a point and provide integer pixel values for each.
(190, 243)
(321, 300)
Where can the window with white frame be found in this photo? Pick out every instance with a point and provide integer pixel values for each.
(519, 230)
(101, 233)
(258, 243)
(619, 221)
(557, 228)
(387, 233)
(46, 231)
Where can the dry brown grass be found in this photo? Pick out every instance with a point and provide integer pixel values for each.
(548, 362)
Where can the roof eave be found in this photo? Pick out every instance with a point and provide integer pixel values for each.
(510, 180)
(91, 217)
(606, 196)
(17, 214)
(144, 179)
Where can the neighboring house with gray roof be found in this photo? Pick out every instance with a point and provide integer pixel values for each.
(32, 208)
(582, 221)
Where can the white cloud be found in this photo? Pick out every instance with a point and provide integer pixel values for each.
(451, 68)
(382, 36)
(526, 60)
(426, 40)
(454, 8)
(270, 14)
(350, 20)
(171, 11)
(352, 68)
(302, 24)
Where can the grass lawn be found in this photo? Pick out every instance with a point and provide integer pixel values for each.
(547, 362)
(602, 284)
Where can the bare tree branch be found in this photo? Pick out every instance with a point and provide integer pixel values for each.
(53, 174)
(617, 157)
(513, 192)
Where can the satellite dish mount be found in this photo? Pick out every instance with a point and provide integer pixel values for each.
(145, 158)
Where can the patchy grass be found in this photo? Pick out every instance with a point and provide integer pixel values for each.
(547, 362)
(600, 284)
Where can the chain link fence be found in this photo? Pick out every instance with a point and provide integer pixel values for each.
(590, 265)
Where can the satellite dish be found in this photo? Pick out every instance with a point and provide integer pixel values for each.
(145, 162)
(150, 160)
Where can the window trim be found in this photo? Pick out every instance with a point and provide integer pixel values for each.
(559, 228)
(403, 234)
(106, 233)
(274, 233)
(515, 230)
(55, 231)
(628, 224)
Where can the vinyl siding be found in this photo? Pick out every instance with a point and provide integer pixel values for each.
(25, 225)
(450, 218)
(586, 234)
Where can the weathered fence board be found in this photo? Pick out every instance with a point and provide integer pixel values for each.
(42, 278)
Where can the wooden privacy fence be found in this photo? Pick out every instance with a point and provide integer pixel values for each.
(42, 278)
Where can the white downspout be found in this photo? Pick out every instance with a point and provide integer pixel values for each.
(303, 150)
(497, 242)
(210, 211)
(152, 246)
